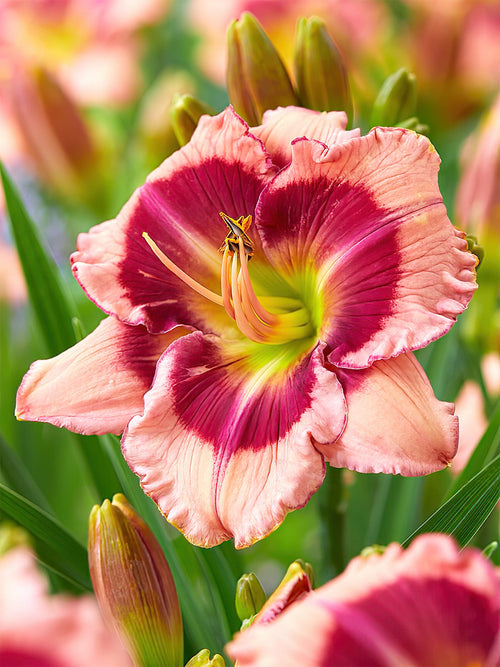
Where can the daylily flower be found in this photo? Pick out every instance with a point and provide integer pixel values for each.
(37, 628)
(431, 605)
(262, 320)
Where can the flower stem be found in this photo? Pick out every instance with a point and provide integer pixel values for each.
(332, 510)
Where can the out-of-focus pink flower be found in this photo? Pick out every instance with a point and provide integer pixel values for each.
(12, 285)
(50, 630)
(431, 605)
(470, 411)
(92, 46)
(454, 43)
(478, 194)
(236, 380)
(478, 211)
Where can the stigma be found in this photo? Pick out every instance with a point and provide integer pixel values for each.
(291, 321)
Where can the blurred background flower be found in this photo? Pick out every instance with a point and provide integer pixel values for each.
(37, 628)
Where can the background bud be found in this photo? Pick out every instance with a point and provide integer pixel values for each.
(256, 77)
(321, 77)
(250, 596)
(202, 659)
(397, 99)
(185, 113)
(133, 584)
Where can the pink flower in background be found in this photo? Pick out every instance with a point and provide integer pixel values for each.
(12, 285)
(91, 46)
(262, 320)
(454, 43)
(478, 194)
(431, 605)
(37, 628)
(470, 409)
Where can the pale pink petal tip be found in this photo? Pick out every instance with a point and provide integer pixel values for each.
(395, 423)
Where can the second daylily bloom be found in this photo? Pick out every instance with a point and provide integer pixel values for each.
(262, 320)
(431, 605)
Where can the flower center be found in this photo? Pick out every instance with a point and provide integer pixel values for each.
(288, 320)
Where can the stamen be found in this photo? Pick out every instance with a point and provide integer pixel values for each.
(225, 283)
(191, 282)
(264, 314)
(243, 324)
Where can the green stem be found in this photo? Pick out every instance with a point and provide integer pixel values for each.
(332, 511)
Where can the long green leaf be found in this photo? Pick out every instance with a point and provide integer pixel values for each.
(57, 549)
(18, 477)
(466, 511)
(47, 293)
(56, 314)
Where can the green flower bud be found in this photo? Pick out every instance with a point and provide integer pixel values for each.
(414, 124)
(256, 77)
(319, 71)
(474, 247)
(307, 568)
(133, 584)
(294, 585)
(202, 659)
(397, 99)
(185, 113)
(374, 549)
(490, 549)
(250, 596)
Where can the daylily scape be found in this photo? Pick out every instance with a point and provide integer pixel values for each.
(265, 289)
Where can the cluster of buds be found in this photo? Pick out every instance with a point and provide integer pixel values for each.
(258, 80)
(251, 603)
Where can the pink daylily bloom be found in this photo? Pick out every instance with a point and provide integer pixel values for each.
(431, 605)
(297, 356)
(43, 630)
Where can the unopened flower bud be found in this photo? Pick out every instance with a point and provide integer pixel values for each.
(373, 550)
(133, 584)
(294, 584)
(474, 247)
(202, 659)
(53, 130)
(185, 113)
(414, 124)
(256, 77)
(321, 77)
(397, 99)
(250, 596)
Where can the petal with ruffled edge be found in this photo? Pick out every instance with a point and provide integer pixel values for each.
(395, 424)
(282, 125)
(97, 385)
(226, 443)
(366, 220)
(429, 605)
(222, 168)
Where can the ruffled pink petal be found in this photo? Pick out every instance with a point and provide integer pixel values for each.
(395, 423)
(430, 605)
(226, 445)
(282, 125)
(366, 219)
(223, 168)
(97, 385)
